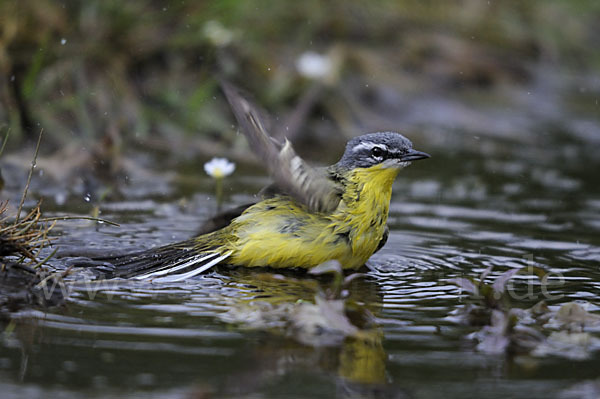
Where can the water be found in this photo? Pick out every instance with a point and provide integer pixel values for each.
(257, 333)
(228, 332)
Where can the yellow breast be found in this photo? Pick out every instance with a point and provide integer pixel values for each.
(365, 209)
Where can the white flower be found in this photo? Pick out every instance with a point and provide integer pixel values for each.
(219, 167)
(314, 66)
(217, 34)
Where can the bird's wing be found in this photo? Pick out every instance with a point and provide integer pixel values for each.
(222, 219)
(290, 172)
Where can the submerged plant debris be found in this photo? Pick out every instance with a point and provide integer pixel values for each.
(322, 318)
(22, 277)
(569, 331)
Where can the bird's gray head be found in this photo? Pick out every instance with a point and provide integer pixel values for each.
(388, 148)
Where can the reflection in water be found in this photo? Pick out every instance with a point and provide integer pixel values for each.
(306, 328)
(362, 359)
(300, 308)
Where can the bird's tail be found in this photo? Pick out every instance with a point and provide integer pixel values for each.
(174, 262)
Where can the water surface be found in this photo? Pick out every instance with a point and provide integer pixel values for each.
(235, 332)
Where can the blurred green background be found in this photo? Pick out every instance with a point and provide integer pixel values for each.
(115, 73)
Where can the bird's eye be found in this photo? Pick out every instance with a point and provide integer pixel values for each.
(377, 152)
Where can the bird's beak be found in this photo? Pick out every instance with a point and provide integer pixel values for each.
(414, 155)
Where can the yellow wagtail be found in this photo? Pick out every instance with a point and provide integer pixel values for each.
(306, 217)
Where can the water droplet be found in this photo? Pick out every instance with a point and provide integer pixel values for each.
(63, 41)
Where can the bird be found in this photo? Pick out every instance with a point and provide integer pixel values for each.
(306, 217)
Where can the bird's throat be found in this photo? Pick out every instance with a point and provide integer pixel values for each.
(367, 201)
(371, 187)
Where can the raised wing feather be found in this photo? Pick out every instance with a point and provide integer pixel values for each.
(306, 184)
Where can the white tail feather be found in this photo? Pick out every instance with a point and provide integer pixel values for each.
(192, 273)
(188, 262)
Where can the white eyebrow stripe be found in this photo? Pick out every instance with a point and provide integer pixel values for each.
(368, 146)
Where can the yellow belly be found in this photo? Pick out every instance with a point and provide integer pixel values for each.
(279, 232)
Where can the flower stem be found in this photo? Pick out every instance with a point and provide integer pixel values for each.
(219, 192)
